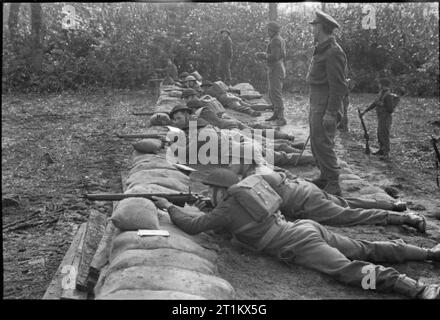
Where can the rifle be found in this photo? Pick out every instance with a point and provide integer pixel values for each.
(147, 113)
(179, 199)
(302, 151)
(366, 136)
(162, 137)
(437, 161)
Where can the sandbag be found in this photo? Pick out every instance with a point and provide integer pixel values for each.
(151, 165)
(249, 94)
(154, 188)
(144, 178)
(135, 214)
(149, 295)
(165, 99)
(162, 257)
(129, 240)
(162, 173)
(136, 189)
(159, 160)
(148, 145)
(167, 278)
(243, 87)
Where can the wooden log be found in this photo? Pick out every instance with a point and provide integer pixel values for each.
(95, 230)
(102, 253)
(55, 289)
(72, 293)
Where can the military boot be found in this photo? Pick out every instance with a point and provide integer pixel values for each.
(281, 121)
(411, 219)
(434, 253)
(333, 188)
(415, 289)
(254, 113)
(320, 182)
(399, 206)
(274, 116)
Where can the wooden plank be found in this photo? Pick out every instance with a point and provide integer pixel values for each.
(54, 289)
(95, 230)
(74, 293)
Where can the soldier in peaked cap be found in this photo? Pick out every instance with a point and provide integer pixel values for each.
(276, 72)
(225, 57)
(327, 78)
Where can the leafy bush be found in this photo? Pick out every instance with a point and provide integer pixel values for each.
(121, 44)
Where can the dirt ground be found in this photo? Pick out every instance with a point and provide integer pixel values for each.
(57, 147)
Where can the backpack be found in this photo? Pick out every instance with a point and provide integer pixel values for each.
(391, 101)
(256, 196)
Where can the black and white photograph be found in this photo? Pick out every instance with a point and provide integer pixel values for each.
(241, 152)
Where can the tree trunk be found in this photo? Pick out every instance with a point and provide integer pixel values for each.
(36, 36)
(13, 24)
(273, 14)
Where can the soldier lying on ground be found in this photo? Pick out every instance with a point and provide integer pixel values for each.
(212, 111)
(305, 242)
(182, 116)
(304, 200)
(219, 91)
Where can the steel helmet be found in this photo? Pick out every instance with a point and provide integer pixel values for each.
(272, 25)
(190, 78)
(223, 178)
(180, 107)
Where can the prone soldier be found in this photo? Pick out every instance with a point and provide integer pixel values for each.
(258, 225)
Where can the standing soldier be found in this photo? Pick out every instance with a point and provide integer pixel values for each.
(385, 105)
(328, 86)
(276, 72)
(225, 57)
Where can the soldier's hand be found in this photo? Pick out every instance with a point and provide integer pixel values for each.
(200, 204)
(161, 203)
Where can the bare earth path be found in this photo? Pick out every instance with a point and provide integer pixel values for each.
(57, 147)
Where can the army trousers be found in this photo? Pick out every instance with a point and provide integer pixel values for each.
(309, 244)
(322, 140)
(275, 75)
(384, 120)
(343, 116)
(225, 71)
(307, 201)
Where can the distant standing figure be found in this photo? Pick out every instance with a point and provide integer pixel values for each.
(172, 74)
(384, 104)
(276, 72)
(225, 57)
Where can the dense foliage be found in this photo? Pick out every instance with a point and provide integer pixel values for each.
(121, 44)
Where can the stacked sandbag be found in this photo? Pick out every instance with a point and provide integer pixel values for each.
(157, 267)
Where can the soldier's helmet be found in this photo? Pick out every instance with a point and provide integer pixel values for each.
(223, 178)
(274, 26)
(178, 108)
(225, 30)
(183, 75)
(190, 78)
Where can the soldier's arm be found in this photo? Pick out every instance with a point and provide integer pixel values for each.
(335, 67)
(194, 225)
(275, 47)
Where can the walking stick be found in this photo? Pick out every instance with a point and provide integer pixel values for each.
(302, 151)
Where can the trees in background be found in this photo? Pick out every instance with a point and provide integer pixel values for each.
(47, 48)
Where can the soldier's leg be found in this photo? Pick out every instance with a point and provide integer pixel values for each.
(322, 142)
(276, 93)
(315, 247)
(228, 73)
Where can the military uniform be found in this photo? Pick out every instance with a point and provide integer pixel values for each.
(304, 200)
(228, 100)
(384, 120)
(304, 242)
(276, 72)
(328, 85)
(225, 58)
